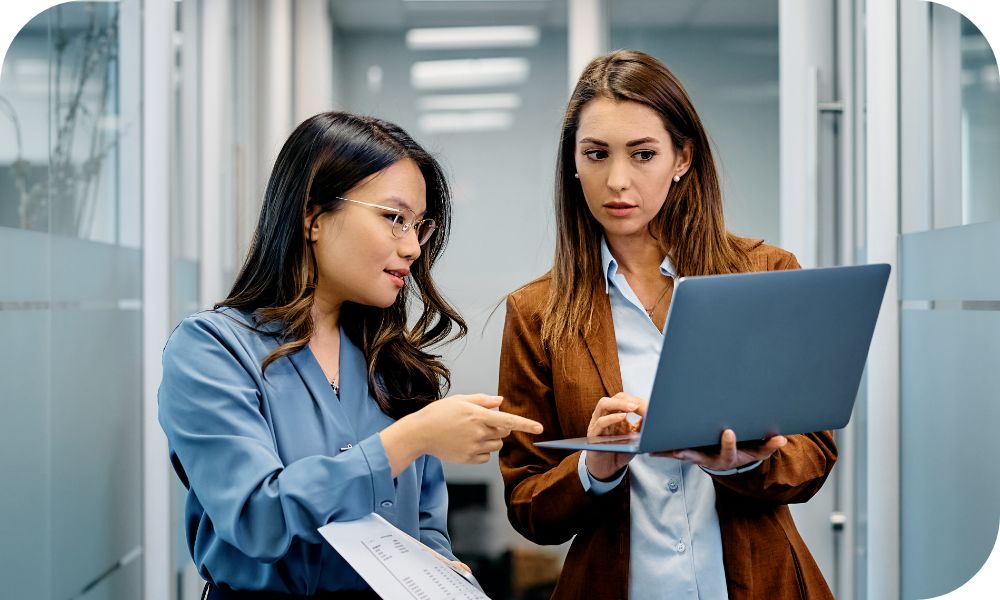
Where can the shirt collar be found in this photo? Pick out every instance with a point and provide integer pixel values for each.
(610, 265)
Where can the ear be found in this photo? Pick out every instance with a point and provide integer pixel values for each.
(683, 160)
(310, 224)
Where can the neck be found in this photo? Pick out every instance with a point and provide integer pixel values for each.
(325, 314)
(636, 254)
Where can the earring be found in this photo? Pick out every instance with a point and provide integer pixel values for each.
(577, 175)
(677, 178)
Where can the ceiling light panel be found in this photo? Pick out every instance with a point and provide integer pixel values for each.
(461, 38)
(468, 73)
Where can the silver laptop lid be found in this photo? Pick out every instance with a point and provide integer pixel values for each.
(762, 353)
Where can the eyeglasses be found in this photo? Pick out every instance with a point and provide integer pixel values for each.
(400, 224)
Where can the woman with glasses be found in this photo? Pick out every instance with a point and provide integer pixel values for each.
(309, 394)
(638, 204)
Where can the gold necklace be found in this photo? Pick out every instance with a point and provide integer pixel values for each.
(652, 309)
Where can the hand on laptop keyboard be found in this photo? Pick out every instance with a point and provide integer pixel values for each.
(612, 417)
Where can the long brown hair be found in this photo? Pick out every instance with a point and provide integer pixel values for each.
(327, 155)
(690, 227)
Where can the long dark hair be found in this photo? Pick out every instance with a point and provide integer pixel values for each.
(327, 155)
(690, 227)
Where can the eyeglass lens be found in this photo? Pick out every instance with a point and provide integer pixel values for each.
(424, 228)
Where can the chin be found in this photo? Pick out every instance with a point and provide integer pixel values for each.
(388, 300)
(624, 228)
(378, 301)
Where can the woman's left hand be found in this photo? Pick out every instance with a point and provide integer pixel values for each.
(729, 456)
(457, 564)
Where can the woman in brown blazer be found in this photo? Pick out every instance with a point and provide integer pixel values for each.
(638, 203)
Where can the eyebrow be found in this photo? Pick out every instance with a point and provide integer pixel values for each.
(401, 204)
(640, 141)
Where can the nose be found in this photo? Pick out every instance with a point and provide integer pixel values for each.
(408, 245)
(619, 177)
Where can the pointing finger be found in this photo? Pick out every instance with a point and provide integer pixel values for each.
(513, 423)
(484, 400)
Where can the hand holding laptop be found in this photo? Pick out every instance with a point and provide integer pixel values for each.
(730, 456)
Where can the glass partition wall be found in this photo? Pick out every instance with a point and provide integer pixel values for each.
(950, 299)
(71, 305)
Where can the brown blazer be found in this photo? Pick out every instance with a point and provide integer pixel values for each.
(764, 556)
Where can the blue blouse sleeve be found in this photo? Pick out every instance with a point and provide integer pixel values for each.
(434, 508)
(209, 407)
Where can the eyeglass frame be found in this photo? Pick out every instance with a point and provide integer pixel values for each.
(416, 224)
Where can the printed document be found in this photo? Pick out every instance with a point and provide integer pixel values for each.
(397, 566)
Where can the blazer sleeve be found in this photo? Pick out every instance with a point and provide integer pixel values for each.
(209, 408)
(546, 502)
(797, 471)
(792, 474)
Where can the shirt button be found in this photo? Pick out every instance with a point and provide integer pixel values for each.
(681, 547)
(672, 485)
(387, 504)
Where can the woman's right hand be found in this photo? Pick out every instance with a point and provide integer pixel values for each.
(611, 418)
(462, 429)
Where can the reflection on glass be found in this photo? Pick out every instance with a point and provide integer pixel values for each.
(64, 61)
(980, 128)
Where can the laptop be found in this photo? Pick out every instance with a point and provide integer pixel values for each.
(777, 352)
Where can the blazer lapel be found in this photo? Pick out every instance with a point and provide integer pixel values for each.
(603, 347)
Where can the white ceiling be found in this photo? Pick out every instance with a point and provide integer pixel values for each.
(687, 14)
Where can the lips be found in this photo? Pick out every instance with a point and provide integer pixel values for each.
(618, 208)
(398, 276)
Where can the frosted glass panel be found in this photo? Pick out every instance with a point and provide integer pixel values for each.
(950, 413)
(24, 462)
(94, 273)
(957, 263)
(120, 584)
(96, 396)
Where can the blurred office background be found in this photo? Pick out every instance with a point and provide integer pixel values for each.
(136, 137)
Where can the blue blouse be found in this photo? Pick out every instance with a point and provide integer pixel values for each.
(268, 461)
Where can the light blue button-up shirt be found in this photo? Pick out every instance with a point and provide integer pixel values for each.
(676, 544)
(270, 459)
